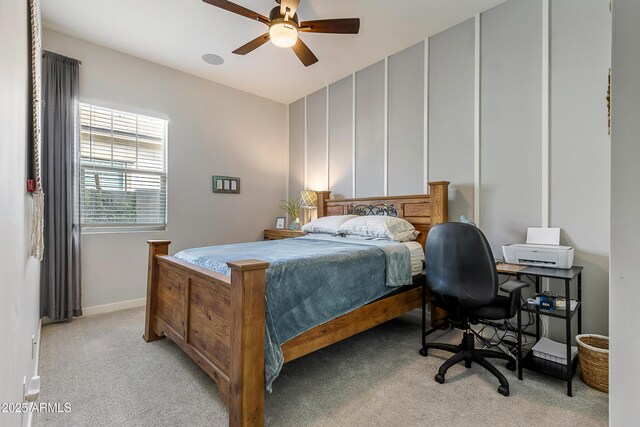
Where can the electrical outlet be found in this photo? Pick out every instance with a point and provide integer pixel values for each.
(33, 346)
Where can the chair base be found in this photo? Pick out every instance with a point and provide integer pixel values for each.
(467, 353)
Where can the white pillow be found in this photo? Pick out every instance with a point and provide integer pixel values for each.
(326, 224)
(376, 226)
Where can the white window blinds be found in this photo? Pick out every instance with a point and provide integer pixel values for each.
(123, 171)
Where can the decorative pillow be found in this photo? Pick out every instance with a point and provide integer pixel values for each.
(327, 224)
(376, 226)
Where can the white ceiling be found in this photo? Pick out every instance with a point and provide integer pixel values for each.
(176, 33)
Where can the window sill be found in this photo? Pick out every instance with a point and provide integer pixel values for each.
(93, 231)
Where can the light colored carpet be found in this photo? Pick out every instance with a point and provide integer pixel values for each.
(111, 377)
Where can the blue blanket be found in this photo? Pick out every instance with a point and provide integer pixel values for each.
(311, 281)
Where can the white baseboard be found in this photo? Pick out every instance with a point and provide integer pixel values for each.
(37, 355)
(116, 306)
(36, 361)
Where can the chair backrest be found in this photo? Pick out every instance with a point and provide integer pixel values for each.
(460, 267)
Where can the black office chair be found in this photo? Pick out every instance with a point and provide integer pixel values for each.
(462, 278)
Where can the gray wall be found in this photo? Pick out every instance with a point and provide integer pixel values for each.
(296, 147)
(317, 167)
(625, 229)
(19, 274)
(406, 121)
(341, 144)
(370, 173)
(521, 174)
(580, 148)
(213, 130)
(511, 108)
(451, 114)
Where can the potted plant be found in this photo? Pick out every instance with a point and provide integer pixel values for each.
(292, 208)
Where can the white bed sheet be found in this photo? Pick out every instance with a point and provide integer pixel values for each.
(417, 257)
(415, 249)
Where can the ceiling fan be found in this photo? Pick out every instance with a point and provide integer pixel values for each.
(284, 26)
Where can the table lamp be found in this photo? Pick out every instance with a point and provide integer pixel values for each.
(308, 200)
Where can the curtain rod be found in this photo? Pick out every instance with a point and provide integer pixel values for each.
(79, 61)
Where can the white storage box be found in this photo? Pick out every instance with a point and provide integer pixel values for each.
(553, 351)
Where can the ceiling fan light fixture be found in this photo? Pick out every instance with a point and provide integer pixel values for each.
(283, 34)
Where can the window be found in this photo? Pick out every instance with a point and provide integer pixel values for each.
(123, 170)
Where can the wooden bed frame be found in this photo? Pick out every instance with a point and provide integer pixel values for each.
(219, 321)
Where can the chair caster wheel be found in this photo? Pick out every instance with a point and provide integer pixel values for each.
(503, 390)
(467, 364)
(511, 365)
(424, 352)
(440, 379)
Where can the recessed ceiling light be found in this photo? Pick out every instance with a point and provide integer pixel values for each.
(212, 59)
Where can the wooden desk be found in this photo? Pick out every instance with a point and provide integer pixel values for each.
(510, 269)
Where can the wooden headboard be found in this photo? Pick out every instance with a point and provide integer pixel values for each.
(423, 210)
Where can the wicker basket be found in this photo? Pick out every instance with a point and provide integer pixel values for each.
(593, 352)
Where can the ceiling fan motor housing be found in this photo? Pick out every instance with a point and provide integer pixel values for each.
(275, 17)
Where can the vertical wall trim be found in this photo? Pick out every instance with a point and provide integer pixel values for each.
(353, 136)
(327, 142)
(545, 112)
(287, 149)
(545, 141)
(386, 126)
(476, 120)
(426, 114)
(305, 144)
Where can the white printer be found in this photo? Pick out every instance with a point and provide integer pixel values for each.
(542, 249)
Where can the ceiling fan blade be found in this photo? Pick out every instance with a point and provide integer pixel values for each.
(252, 45)
(304, 53)
(333, 26)
(234, 8)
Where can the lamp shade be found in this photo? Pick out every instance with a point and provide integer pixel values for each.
(308, 199)
(283, 34)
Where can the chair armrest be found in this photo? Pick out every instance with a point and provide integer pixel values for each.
(513, 288)
(513, 285)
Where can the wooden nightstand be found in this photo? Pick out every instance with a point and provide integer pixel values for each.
(273, 234)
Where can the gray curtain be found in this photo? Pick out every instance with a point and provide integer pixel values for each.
(60, 269)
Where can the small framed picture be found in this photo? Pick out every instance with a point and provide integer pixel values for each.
(280, 222)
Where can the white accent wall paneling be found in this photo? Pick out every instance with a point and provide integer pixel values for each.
(316, 113)
(296, 148)
(370, 131)
(341, 138)
(451, 114)
(406, 122)
(510, 108)
(511, 84)
(580, 147)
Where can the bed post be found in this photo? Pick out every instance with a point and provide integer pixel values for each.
(246, 400)
(323, 198)
(439, 192)
(156, 247)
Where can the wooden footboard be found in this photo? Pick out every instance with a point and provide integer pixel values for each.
(217, 320)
